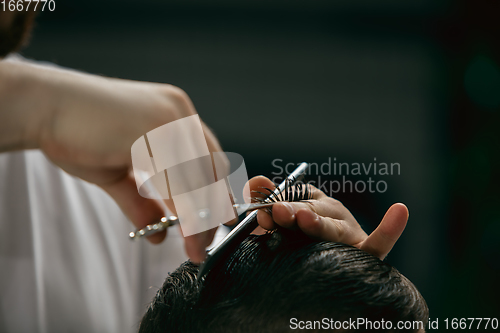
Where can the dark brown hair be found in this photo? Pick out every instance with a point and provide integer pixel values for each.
(16, 34)
(272, 278)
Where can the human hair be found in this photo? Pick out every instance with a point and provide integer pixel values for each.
(15, 28)
(272, 278)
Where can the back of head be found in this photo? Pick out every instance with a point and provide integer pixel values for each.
(279, 280)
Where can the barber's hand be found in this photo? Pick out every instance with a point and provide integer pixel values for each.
(86, 125)
(325, 218)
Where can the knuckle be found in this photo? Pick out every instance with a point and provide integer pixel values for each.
(171, 103)
(313, 206)
(176, 93)
(334, 202)
(180, 100)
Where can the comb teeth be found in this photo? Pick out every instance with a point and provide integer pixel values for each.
(220, 251)
(291, 193)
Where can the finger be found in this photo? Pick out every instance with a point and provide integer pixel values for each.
(170, 205)
(214, 146)
(260, 183)
(265, 220)
(212, 142)
(316, 194)
(258, 231)
(233, 221)
(196, 245)
(141, 211)
(327, 228)
(285, 213)
(382, 239)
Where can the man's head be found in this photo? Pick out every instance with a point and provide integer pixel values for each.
(15, 27)
(270, 279)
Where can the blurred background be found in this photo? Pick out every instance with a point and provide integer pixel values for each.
(413, 82)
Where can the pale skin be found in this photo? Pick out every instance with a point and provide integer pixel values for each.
(86, 125)
(325, 218)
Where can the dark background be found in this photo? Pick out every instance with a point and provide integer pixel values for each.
(409, 82)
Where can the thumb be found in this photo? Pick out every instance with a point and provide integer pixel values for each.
(195, 245)
(141, 211)
(382, 239)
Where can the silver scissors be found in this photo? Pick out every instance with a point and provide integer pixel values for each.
(167, 222)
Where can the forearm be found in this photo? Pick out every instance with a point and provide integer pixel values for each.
(25, 103)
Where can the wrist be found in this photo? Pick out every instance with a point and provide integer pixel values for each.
(26, 104)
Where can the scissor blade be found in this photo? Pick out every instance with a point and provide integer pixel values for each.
(253, 206)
